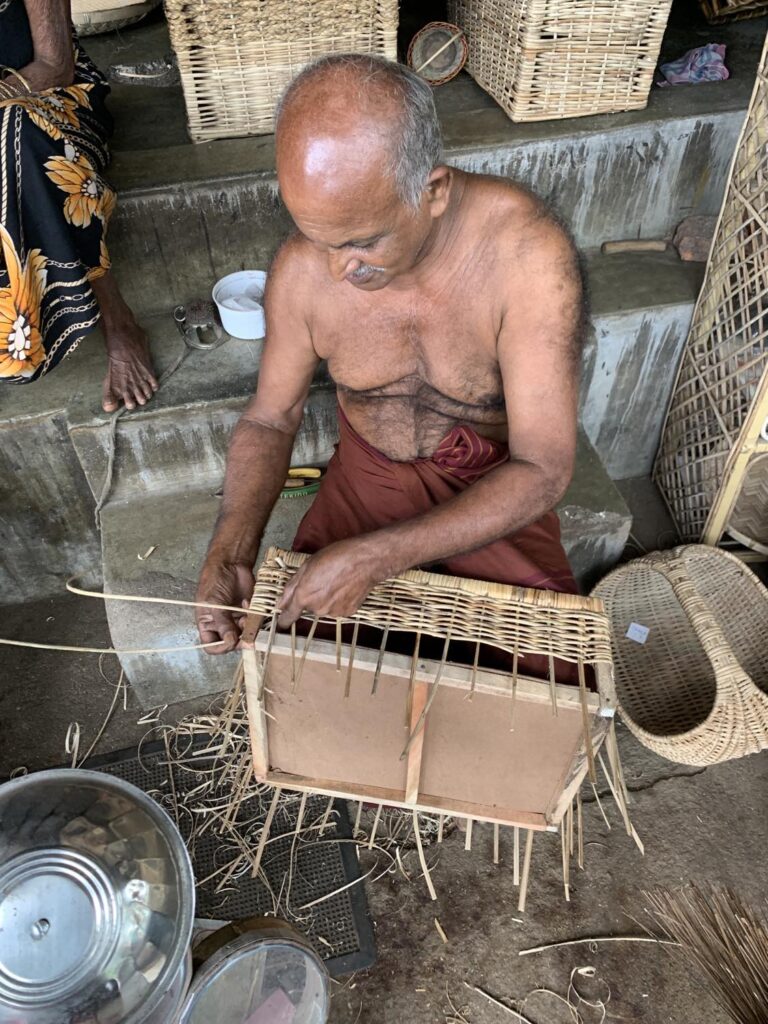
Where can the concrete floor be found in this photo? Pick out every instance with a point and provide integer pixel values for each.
(697, 825)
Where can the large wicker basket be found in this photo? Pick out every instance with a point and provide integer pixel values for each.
(236, 56)
(546, 59)
(717, 421)
(696, 691)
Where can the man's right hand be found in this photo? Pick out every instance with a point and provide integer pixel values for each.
(223, 582)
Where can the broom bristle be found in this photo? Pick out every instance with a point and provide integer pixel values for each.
(727, 940)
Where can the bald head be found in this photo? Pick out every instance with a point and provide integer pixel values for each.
(361, 114)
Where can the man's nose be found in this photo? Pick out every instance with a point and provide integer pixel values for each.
(340, 264)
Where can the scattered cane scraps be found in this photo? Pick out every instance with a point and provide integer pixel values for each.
(573, 1000)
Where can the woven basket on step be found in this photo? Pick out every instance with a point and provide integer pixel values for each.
(543, 59)
(236, 56)
(696, 691)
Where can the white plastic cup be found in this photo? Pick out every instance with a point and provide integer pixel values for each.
(232, 293)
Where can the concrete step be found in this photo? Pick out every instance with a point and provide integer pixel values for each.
(190, 214)
(595, 525)
(54, 448)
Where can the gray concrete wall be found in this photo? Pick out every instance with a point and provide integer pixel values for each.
(629, 370)
(47, 530)
(633, 182)
(172, 244)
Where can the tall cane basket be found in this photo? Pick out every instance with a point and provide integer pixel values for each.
(236, 56)
(696, 691)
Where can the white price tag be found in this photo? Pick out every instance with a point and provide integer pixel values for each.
(637, 633)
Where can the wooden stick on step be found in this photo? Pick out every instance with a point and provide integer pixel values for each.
(516, 858)
(580, 830)
(350, 666)
(440, 824)
(359, 814)
(496, 843)
(526, 870)
(569, 815)
(468, 835)
(265, 831)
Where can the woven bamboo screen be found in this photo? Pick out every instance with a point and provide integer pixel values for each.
(236, 56)
(723, 378)
(547, 59)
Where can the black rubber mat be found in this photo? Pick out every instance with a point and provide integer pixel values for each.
(339, 927)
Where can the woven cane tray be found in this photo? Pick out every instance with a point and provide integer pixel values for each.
(696, 691)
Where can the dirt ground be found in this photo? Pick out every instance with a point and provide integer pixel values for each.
(696, 825)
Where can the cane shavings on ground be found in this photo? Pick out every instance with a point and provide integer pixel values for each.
(583, 1007)
(230, 804)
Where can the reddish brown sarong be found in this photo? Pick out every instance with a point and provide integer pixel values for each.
(364, 491)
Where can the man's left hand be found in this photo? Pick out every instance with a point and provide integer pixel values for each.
(332, 584)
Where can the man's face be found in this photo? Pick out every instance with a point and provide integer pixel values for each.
(350, 211)
(367, 243)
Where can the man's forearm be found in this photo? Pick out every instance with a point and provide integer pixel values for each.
(508, 499)
(257, 465)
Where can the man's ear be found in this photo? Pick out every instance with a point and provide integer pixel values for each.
(438, 190)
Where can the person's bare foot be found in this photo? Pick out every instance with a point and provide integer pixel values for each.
(130, 375)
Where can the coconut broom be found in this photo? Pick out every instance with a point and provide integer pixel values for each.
(725, 939)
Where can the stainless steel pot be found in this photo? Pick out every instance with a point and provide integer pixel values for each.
(96, 902)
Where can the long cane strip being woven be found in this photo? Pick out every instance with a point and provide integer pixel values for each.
(717, 423)
(396, 706)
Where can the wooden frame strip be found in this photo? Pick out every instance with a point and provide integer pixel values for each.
(413, 770)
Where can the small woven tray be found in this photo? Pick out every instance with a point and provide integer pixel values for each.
(696, 691)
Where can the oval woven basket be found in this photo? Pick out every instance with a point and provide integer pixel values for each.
(696, 691)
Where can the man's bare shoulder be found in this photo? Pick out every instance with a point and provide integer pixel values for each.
(519, 222)
(294, 258)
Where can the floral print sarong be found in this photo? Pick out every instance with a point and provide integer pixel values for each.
(54, 209)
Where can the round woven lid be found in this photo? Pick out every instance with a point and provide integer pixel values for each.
(438, 52)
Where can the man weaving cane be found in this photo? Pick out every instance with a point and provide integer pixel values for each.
(449, 308)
